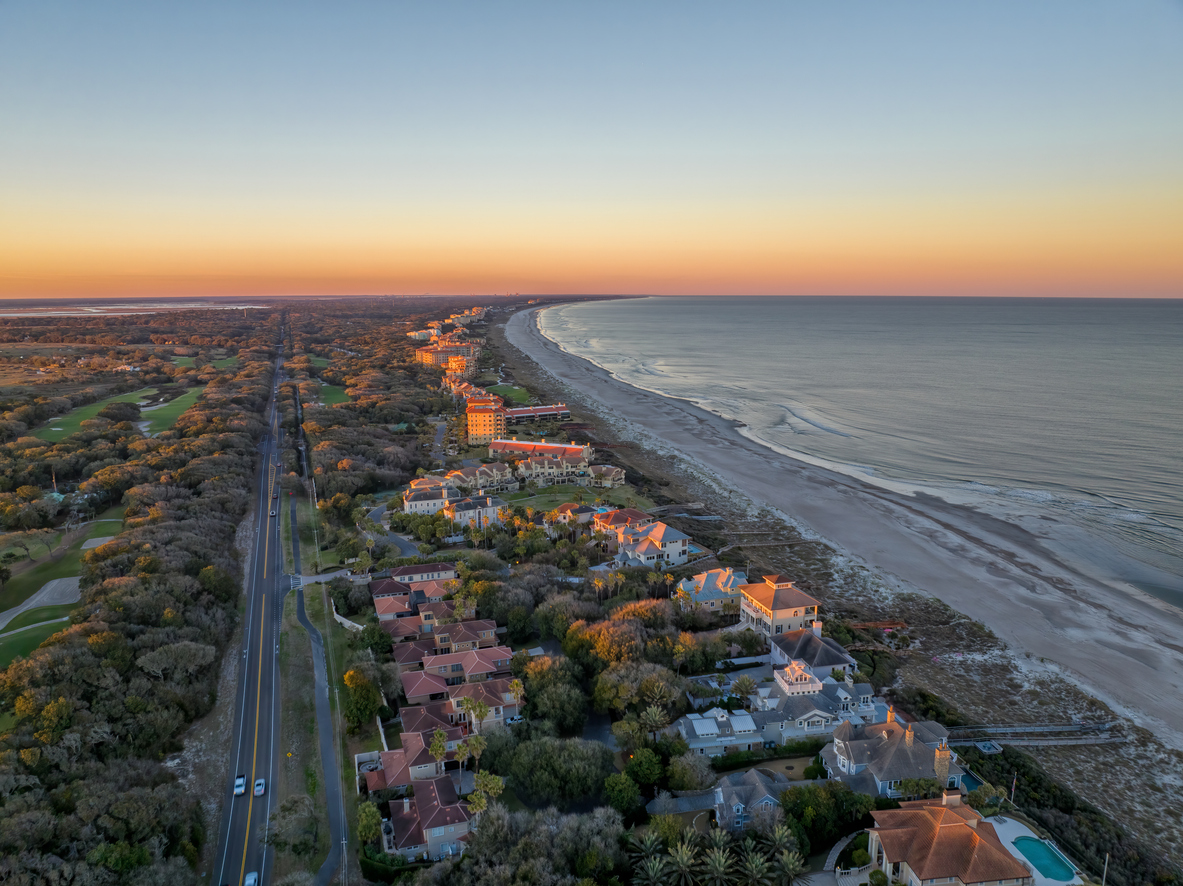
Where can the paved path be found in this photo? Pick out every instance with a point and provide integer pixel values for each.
(406, 548)
(52, 593)
(324, 726)
(30, 627)
(96, 542)
(832, 859)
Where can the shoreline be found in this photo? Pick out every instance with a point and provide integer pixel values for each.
(1124, 648)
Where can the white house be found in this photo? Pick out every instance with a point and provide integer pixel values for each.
(654, 545)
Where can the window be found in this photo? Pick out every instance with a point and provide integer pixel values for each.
(437, 832)
(457, 668)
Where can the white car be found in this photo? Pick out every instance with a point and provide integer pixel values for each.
(260, 787)
(240, 786)
(510, 721)
(251, 879)
(273, 513)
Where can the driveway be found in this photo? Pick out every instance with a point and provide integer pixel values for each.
(599, 728)
(406, 547)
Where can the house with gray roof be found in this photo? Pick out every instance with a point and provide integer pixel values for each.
(874, 759)
(820, 655)
(734, 799)
(712, 589)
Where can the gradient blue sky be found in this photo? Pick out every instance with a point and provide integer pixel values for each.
(1010, 148)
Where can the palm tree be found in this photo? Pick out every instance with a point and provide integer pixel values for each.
(719, 838)
(789, 868)
(754, 868)
(779, 839)
(653, 579)
(743, 687)
(654, 719)
(718, 866)
(476, 747)
(643, 846)
(462, 752)
(658, 693)
(683, 865)
(669, 582)
(651, 872)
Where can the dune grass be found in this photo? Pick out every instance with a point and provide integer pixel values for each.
(71, 423)
(166, 416)
(331, 395)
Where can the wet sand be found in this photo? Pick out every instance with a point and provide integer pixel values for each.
(1118, 643)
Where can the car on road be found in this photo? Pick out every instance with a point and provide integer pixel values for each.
(275, 494)
(273, 513)
(260, 787)
(240, 786)
(251, 879)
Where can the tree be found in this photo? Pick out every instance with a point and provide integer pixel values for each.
(877, 878)
(622, 793)
(788, 868)
(369, 822)
(743, 688)
(683, 864)
(5, 575)
(644, 767)
(476, 710)
(654, 719)
(362, 698)
(691, 772)
(718, 866)
(652, 872)
(438, 748)
(476, 745)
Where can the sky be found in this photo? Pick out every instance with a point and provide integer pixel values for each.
(271, 148)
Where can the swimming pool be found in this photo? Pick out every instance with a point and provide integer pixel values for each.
(971, 781)
(1046, 859)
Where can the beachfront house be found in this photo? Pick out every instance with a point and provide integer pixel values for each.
(875, 759)
(655, 546)
(712, 589)
(774, 606)
(822, 656)
(941, 841)
(476, 513)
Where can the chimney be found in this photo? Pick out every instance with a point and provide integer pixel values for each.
(817, 629)
(909, 736)
(890, 713)
(953, 798)
(406, 804)
(941, 765)
(849, 679)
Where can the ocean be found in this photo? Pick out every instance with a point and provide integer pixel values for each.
(1064, 416)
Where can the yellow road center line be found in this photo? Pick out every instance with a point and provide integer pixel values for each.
(254, 756)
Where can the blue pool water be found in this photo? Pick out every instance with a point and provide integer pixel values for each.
(1046, 859)
(971, 782)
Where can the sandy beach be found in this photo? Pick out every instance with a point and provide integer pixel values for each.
(1119, 644)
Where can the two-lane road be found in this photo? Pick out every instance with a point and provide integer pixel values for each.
(244, 820)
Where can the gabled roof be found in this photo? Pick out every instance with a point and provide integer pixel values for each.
(816, 652)
(409, 573)
(939, 841)
(419, 683)
(387, 587)
(438, 804)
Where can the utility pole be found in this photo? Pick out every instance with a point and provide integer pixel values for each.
(1106, 871)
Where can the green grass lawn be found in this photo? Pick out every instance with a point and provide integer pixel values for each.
(331, 395)
(322, 362)
(38, 615)
(511, 393)
(183, 361)
(166, 416)
(21, 587)
(224, 363)
(26, 641)
(551, 497)
(64, 425)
